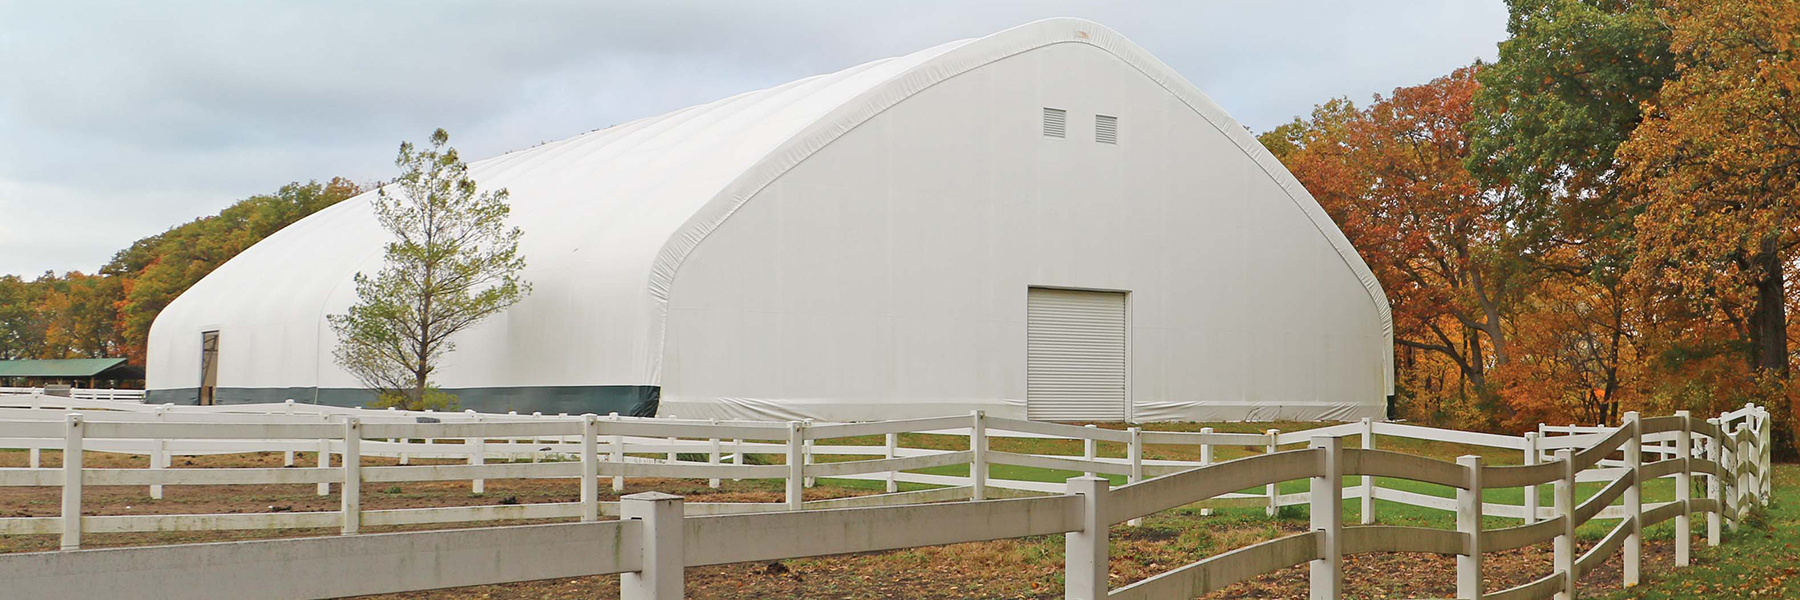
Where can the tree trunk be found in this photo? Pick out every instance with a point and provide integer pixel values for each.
(1768, 338)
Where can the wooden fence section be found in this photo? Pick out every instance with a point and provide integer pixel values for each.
(658, 535)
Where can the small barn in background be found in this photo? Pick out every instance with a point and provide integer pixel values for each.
(1045, 222)
(78, 372)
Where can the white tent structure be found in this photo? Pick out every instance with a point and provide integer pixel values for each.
(1044, 222)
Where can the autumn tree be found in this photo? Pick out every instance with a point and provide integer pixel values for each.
(1544, 134)
(1717, 162)
(452, 262)
(1393, 177)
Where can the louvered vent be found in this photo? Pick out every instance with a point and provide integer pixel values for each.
(1056, 123)
(1106, 129)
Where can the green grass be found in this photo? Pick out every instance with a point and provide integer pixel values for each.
(1759, 560)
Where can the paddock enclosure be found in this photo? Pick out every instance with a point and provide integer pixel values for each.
(1046, 222)
(657, 535)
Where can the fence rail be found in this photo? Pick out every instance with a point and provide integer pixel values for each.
(659, 535)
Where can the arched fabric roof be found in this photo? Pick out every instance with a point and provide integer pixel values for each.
(608, 217)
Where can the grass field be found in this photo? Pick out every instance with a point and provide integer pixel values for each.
(1755, 562)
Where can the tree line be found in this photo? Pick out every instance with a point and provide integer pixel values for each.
(1606, 218)
(108, 313)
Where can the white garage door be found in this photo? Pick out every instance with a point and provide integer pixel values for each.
(1074, 355)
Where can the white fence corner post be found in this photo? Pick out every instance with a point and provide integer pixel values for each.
(978, 467)
(1135, 452)
(1086, 553)
(352, 496)
(1274, 488)
(1327, 495)
(662, 572)
(590, 468)
(1206, 459)
(1714, 486)
(1684, 488)
(71, 488)
(1531, 491)
(1634, 500)
(618, 456)
(1468, 523)
(1367, 513)
(1565, 510)
(796, 463)
(892, 451)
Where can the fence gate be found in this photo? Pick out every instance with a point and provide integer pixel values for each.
(1074, 355)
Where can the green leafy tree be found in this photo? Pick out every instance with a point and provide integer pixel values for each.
(452, 263)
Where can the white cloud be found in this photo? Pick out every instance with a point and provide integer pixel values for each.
(132, 117)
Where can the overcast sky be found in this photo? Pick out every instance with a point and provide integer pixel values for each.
(119, 120)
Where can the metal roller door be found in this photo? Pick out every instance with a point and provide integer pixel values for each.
(1074, 355)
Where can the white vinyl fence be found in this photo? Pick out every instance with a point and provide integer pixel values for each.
(658, 535)
(82, 393)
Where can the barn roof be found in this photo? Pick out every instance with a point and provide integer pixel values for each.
(70, 367)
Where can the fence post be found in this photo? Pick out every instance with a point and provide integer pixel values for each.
(1327, 495)
(796, 462)
(477, 451)
(1565, 510)
(674, 443)
(893, 443)
(1634, 500)
(1468, 523)
(71, 488)
(978, 470)
(352, 493)
(1765, 439)
(1206, 459)
(806, 457)
(590, 468)
(1086, 556)
(1135, 452)
(159, 457)
(1684, 492)
(661, 577)
(1367, 514)
(1714, 489)
(287, 457)
(1531, 491)
(618, 457)
(713, 457)
(324, 463)
(1745, 480)
(1274, 487)
(1090, 450)
(737, 454)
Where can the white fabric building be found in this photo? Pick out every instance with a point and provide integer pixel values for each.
(1045, 222)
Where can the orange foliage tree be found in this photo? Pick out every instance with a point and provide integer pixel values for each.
(1717, 161)
(1393, 178)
